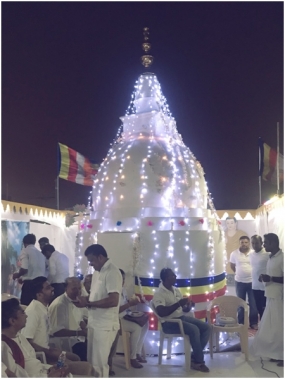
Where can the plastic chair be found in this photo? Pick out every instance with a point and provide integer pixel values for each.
(40, 355)
(228, 307)
(187, 345)
(62, 343)
(127, 347)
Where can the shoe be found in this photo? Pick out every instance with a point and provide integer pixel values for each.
(141, 359)
(274, 360)
(112, 373)
(280, 364)
(136, 364)
(200, 367)
(254, 327)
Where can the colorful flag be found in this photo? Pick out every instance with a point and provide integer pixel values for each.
(268, 163)
(75, 167)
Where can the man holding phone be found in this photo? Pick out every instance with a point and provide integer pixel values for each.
(169, 304)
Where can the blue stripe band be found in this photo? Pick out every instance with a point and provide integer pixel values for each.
(191, 282)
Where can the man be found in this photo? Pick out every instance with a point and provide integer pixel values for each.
(43, 241)
(37, 327)
(103, 304)
(58, 269)
(169, 304)
(66, 320)
(258, 260)
(240, 264)
(32, 266)
(17, 354)
(268, 341)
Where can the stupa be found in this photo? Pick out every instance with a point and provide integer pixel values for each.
(151, 207)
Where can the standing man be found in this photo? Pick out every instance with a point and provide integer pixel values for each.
(58, 269)
(258, 260)
(269, 341)
(66, 320)
(43, 241)
(240, 264)
(103, 304)
(169, 304)
(32, 266)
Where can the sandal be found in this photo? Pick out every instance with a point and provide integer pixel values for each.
(141, 359)
(200, 367)
(136, 364)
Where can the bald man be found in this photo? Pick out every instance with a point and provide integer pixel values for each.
(66, 320)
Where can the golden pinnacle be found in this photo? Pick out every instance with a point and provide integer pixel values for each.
(146, 46)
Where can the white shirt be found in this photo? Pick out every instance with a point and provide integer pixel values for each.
(164, 297)
(258, 263)
(109, 280)
(58, 267)
(37, 325)
(3, 370)
(33, 260)
(275, 267)
(33, 367)
(63, 314)
(243, 268)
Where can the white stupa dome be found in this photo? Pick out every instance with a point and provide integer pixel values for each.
(151, 189)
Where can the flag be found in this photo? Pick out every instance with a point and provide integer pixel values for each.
(75, 167)
(268, 163)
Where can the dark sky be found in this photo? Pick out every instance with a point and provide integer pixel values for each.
(68, 71)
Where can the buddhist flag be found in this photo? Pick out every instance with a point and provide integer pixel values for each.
(267, 163)
(75, 167)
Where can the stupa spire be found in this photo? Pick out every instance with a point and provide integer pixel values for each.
(147, 60)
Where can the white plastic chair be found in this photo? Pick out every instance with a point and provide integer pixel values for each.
(127, 348)
(40, 355)
(62, 343)
(228, 307)
(169, 337)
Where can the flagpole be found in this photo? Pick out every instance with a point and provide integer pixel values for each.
(277, 162)
(260, 174)
(57, 192)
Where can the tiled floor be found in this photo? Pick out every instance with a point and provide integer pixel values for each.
(223, 365)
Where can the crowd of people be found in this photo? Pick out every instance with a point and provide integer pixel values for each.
(56, 307)
(259, 279)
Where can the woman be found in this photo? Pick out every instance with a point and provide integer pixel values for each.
(137, 332)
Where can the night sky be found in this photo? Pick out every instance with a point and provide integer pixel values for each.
(68, 72)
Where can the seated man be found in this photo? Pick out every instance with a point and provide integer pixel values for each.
(169, 303)
(17, 354)
(37, 327)
(66, 320)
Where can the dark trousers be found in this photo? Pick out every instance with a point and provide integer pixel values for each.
(198, 332)
(80, 349)
(26, 297)
(59, 289)
(260, 301)
(243, 289)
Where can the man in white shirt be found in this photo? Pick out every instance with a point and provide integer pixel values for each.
(103, 304)
(66, 320)
(58, 269)
(169, 304)
(258, 260)
(37, 327)
(17, 353)
(240, 264)
(269, 341)
(32, 265)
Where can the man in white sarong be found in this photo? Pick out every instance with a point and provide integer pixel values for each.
(268, 342)
(103, 304)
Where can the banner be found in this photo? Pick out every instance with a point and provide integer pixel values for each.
(268, 163)
(75, 167)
